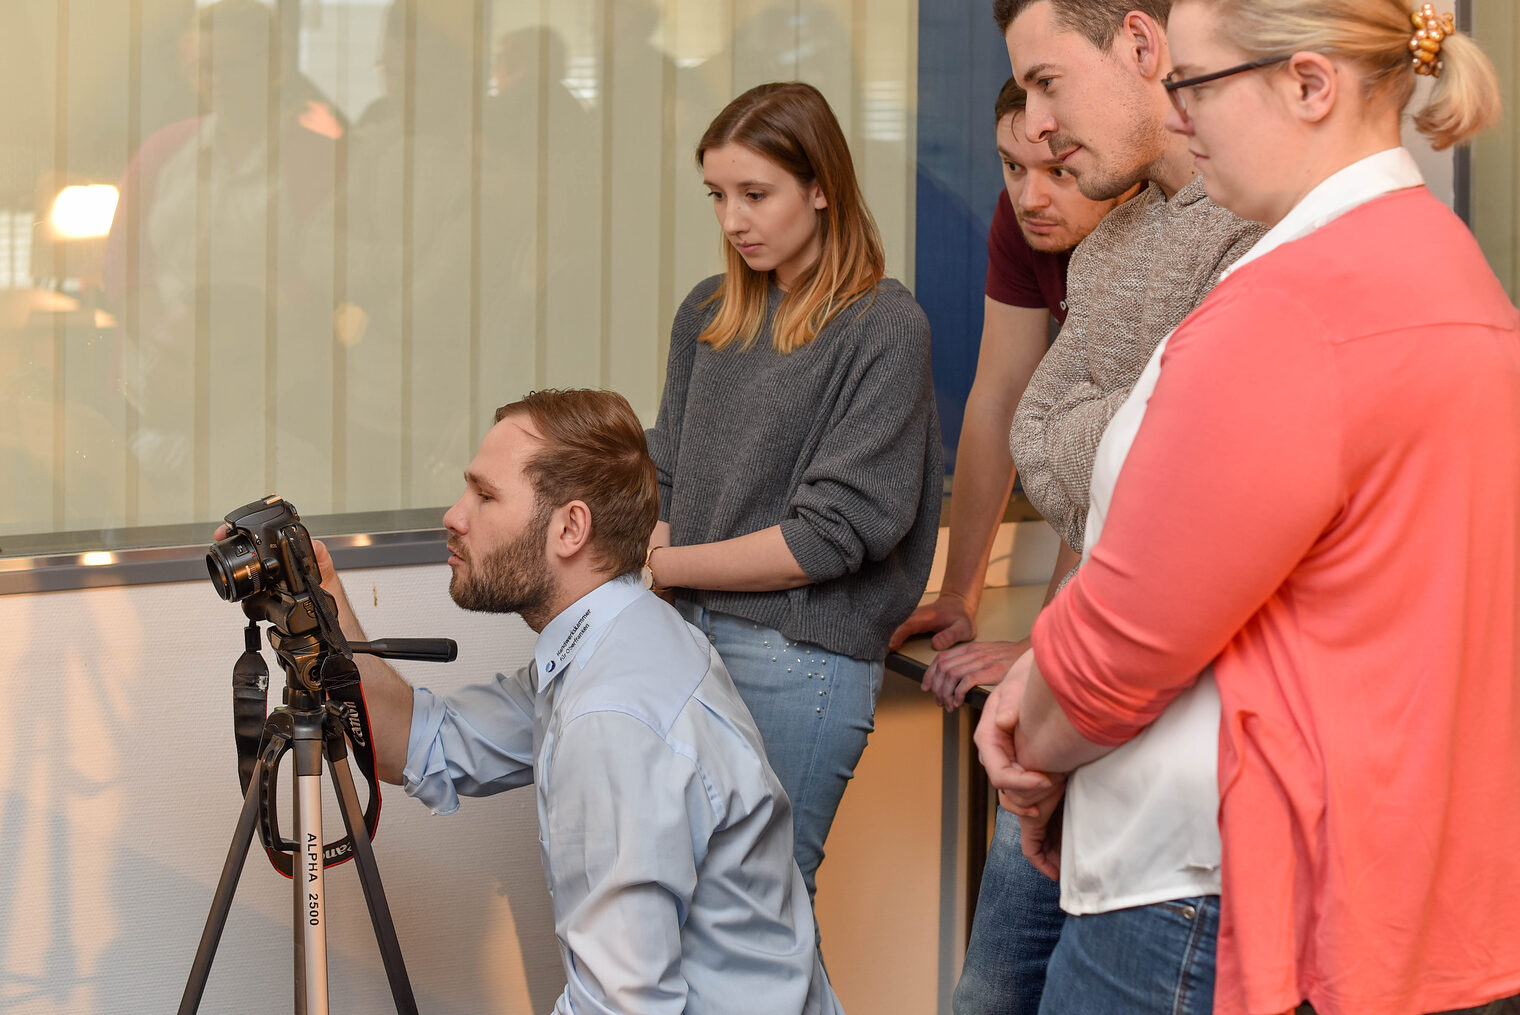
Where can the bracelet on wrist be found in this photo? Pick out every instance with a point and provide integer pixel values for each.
(647, 572)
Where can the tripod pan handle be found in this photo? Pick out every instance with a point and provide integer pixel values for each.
(428, 650)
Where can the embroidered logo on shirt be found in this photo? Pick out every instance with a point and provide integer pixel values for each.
(549, 666)
(577, 632)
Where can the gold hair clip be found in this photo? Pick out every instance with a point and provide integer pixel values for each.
(1430, 29)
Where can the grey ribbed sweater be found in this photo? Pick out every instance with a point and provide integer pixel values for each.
(1148, 265)
(838, 442)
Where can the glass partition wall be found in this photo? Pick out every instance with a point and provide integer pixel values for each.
(1495, 157)
(308, 247)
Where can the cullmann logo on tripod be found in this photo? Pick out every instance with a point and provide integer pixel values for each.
(267, 562)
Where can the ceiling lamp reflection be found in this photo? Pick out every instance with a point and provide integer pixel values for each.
(83, 212)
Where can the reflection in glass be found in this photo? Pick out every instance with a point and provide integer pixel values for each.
(305, 247)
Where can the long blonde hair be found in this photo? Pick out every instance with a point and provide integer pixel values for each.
(1375, 34)
(792, 125)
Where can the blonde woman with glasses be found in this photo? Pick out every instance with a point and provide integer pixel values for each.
(1314, 494)
(797, 446)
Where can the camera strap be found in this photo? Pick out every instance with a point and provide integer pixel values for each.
(250, 699)
(250, 683)
(340, 680)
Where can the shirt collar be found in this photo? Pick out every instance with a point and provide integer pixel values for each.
(582, 623)
(1360, 182)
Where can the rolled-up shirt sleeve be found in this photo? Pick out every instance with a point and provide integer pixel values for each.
(1233, 476)
(475, 742)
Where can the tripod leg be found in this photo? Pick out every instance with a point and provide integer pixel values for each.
(221, 903)
(307, 882)
(369, 879)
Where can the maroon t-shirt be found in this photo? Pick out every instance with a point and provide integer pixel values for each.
(1018, 275)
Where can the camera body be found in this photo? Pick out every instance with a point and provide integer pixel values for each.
(266, 549)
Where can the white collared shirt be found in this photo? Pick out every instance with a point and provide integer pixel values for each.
(1141, 823)
(666, 837)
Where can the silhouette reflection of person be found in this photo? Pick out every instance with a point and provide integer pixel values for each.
(529, 68)
(407, 323)
(229, 255)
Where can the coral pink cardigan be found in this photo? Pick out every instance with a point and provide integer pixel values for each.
(1324, 502)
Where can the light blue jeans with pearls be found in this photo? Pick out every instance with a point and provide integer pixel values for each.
(814, 710)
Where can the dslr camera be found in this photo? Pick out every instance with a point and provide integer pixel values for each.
(267, 563)
(265, 546)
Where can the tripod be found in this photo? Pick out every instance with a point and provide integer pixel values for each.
(268, 563)
(310, 731)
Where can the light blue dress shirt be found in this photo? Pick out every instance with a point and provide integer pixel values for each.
(666, 837)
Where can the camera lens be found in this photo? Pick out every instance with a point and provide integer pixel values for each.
(235, 568)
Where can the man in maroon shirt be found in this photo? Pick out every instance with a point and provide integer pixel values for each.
(1040, 217)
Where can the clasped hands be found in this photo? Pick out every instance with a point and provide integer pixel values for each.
(1034, 797)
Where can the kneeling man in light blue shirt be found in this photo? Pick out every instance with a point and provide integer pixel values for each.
(667, 839)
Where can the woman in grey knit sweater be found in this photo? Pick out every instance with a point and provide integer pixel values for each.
(797, 445)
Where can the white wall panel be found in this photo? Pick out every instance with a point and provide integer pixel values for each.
(120, 796)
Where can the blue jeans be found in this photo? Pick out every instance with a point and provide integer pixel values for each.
(1149, 960)
(1017, 924)
(814, 710)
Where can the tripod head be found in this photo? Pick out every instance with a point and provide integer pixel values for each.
(267, 562)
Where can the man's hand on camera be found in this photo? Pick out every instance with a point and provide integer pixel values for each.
(325, 567)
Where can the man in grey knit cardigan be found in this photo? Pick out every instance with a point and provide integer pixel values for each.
(1093, 70)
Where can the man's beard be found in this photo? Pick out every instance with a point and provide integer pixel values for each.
(514, 578)
(1144, 145)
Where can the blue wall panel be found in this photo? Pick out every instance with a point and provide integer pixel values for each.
(962, 63)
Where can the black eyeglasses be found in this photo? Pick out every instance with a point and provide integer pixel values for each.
(1174, 87)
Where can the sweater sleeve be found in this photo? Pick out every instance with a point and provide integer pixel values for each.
(664, 438)
(1061, 415)
(861, 490)
(1233, 476)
